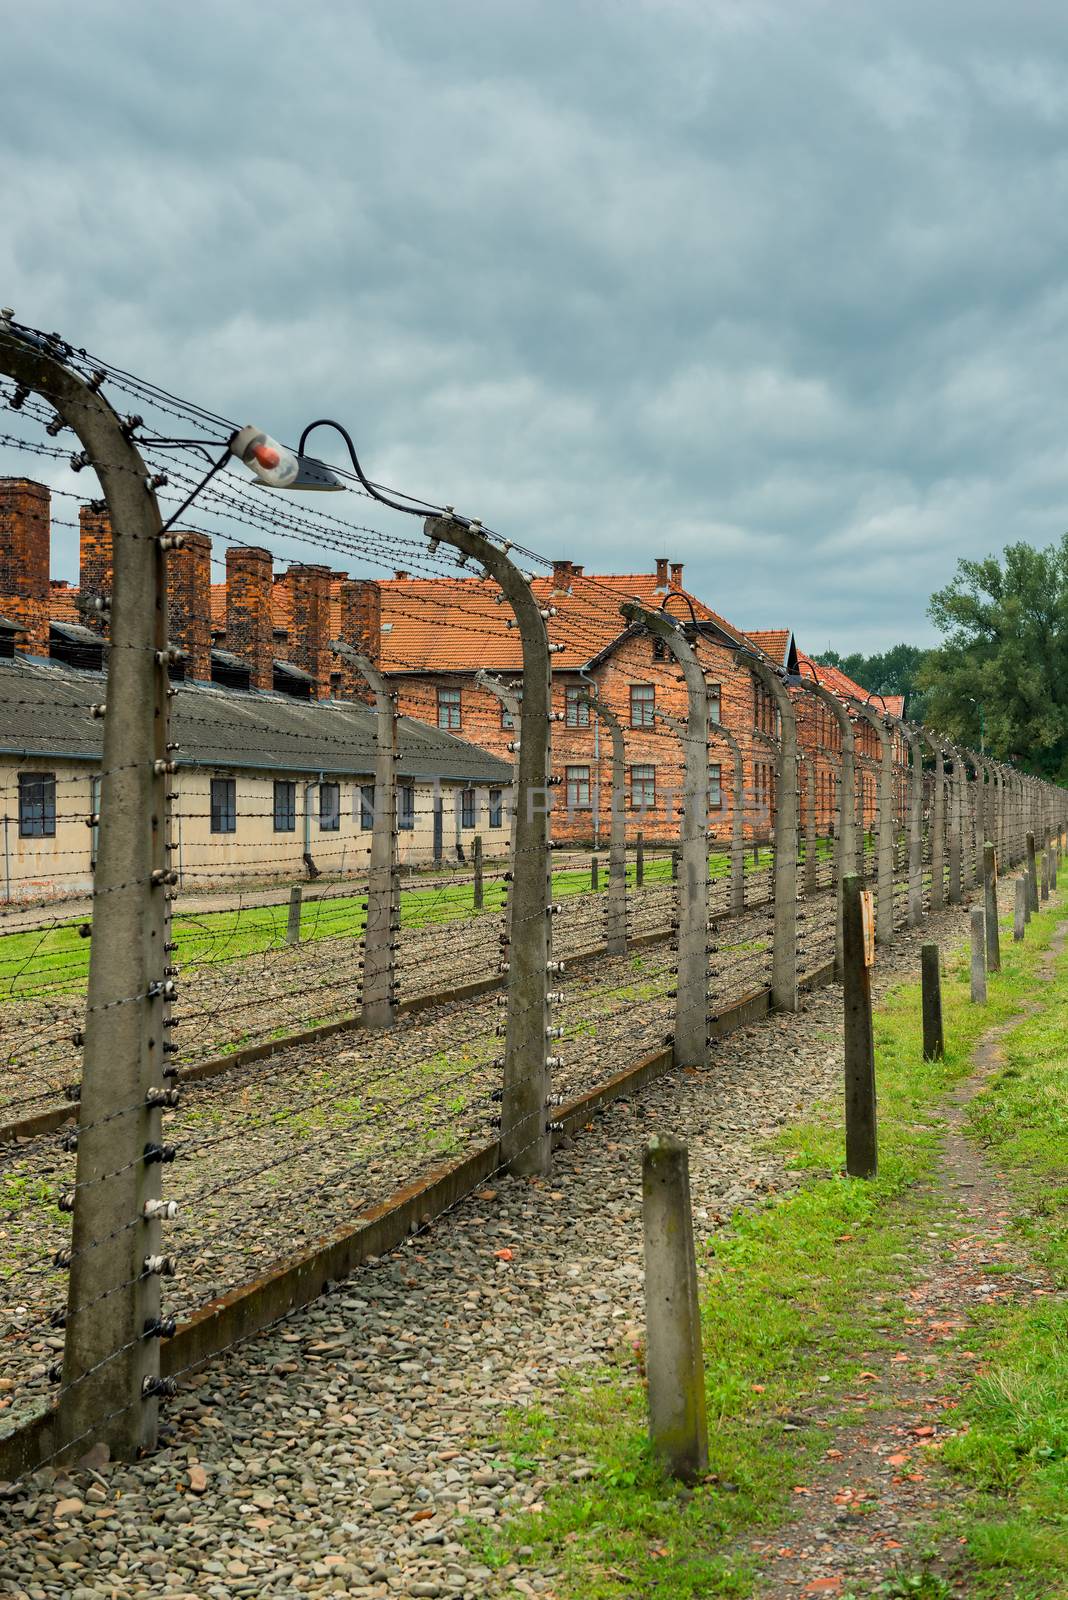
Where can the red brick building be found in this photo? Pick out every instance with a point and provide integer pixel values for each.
(265, 631)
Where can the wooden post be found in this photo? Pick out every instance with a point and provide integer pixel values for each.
(678, 1425)
(595, 877)
(931, 984)
(639, 859)
(1019, 915)
(861, 1135)
(479, 893)
(990, 900)
(674, 866)
(978, 927)
(293, 919)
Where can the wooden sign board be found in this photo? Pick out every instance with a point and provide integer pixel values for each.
(867, 922)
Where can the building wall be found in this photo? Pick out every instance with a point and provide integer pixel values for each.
(60, 866)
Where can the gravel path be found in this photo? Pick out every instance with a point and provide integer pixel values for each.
(342, 1452)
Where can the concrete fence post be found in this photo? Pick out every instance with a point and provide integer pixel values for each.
(884, 903)
(595, 874)
(977, 919)
(784, 947)
(478, 893)
(938, 826)
(956, 827)
(525, 1136)
(379, 1007)
(915, 903)
(616, 902)
(1044, 887)
(737, 892)
(861, 1137)
(511, 699)
(812, 865)
(674, 1359)
(293, 915)
(1020, 913)
(639, 859)
(931, 998)
(691, 1001)
(845, 844)
(990, 904)
(110, 1379)
(1032, 873)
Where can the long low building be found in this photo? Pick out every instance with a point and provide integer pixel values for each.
(266, 786)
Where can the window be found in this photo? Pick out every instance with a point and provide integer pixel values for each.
(507, 719)
(37, 805)
(642, 701)
(496, 808)
(643, 787)
(224, 805)
(285, 807)
(713, 690)
(467, 808)
(449, 709)
(367, 805)
(578, 707)
(715, 786)
(329, 807)
(406, 805)
(578, 788)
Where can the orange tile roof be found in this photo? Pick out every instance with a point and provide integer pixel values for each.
(774, 642)
(840, 683)
(459, 624)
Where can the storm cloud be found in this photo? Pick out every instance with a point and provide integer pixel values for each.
(774, 289)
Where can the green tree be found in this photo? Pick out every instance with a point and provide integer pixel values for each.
(1004, 650)
(893, 672)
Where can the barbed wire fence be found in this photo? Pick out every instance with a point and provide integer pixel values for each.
(198, 1171)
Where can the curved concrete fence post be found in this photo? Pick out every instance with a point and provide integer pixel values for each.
(526, 1140)
(691, 1000)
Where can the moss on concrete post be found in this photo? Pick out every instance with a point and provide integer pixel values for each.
(678, 1425)
(990, 906)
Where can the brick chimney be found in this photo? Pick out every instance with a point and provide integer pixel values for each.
(562, 571)
(25, 533)
(94, 553)
(661, 572)
(676, 574)
(308, 590)
(249, 611)
(189, 603)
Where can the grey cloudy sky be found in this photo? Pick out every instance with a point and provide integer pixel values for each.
(776, 289)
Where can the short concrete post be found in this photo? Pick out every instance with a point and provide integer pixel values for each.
(1019, 914)
(931, 988)
(1044, 887)
(1032, 874)
(861, 1136)
(978, 927)
(674, 866)
(293, 919)
(678, 1425)
(639, 859)
(479, 893)
(595, 874)
(990, 902)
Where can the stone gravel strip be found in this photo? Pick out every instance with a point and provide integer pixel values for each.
(345, 1451)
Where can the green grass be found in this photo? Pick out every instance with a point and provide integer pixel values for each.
(56, 960)
(1014, 1454)
(793, 1296)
